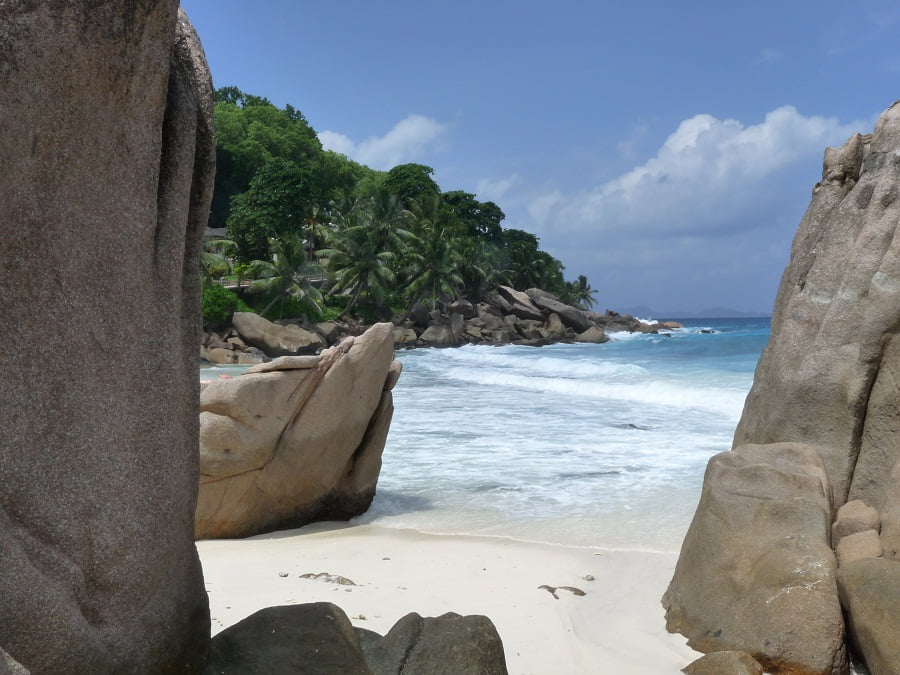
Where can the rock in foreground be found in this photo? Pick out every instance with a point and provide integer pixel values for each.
(756, 572)
(445, 645)
(318, 639)
(108, 158)
(296, 440)
(829, 379)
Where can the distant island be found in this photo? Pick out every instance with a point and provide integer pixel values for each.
(646, 312)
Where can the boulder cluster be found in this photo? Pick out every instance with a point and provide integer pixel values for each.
(533, 318)
(507, 316)
(793, 556)
(318, 639)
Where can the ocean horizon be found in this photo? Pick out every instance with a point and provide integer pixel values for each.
(573, 444)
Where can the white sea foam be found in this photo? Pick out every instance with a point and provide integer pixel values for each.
(578, 444)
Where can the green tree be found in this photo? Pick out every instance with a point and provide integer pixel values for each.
(356, 265)
(251, 132)
(277, 203)
(214, 261)
(580, 293)
(434, 264)
(287, 274)
(479, 219)
(411, 182)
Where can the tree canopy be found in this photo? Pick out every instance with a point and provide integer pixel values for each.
(382, 239)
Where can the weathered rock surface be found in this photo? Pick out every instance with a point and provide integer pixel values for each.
(449, 644)
(9, 666)
(275, 339)
(830, 378)
(856, 546)
(870, 592)
(724, 663)
(756, 572)
(890, 517)
(814, 379)
(312, 639)
(854, 516)
(107, 158)
(570, 316)
(593, 335)
(295, 440)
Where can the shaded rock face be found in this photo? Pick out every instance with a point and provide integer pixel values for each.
(297, 439)
(318, 639)
(445, 645)
(756, 573)
(313, 639)
(106, 166)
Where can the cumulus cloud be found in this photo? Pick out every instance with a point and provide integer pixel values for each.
(407, 141)
(709, 217)
(707, 176)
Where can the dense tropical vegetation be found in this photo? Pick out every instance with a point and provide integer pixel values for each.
(316, 233)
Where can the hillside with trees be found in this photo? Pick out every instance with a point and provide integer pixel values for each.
(312, 233)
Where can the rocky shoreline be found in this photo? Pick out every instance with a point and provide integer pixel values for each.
(531, 318)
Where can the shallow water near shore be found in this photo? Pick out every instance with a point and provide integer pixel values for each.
(581, 445)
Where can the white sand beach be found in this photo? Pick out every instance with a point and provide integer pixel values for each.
(617, 626)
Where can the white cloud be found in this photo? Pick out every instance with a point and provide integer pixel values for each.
(706, 221)
(709, 176)
(494, 190)
(407, 141)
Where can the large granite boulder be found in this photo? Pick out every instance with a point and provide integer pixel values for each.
(108, 155)
(297, 439)
(519, 304)
(572, 317)
(756, 572)
(830, 377)
(275, 339)
(835, 315)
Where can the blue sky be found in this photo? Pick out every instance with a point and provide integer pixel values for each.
(666, 150)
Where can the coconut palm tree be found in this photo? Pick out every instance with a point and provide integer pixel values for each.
(214, 261)
(433, 267)
(287, 274)
(580, 292)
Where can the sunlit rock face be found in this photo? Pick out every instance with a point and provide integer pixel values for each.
(296, 440)
(106, 169)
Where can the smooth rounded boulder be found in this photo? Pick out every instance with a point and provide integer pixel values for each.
(108, 157)
(756, 572)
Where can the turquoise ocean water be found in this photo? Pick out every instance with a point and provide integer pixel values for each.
(586, 445)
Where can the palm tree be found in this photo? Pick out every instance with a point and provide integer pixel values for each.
(214, 261)
(434, 265)
(357, 266)
(580, 293)
(287, 274)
